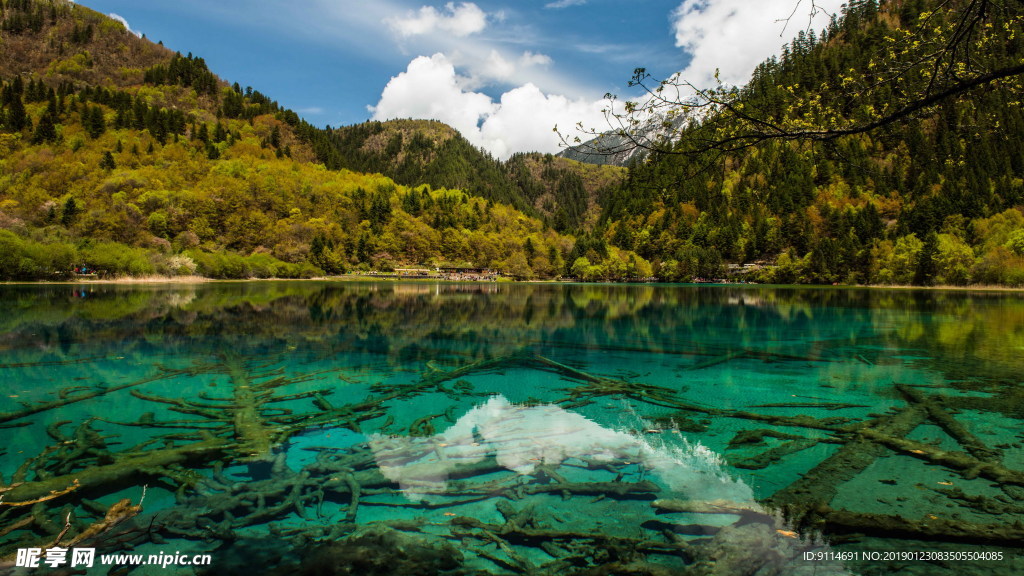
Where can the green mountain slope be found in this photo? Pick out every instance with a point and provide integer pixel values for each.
(119, 156)
(67, 42)
(561, 192)
(566, 192)
(935, 197)
(425, 152)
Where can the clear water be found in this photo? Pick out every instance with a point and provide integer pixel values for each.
(418, 428)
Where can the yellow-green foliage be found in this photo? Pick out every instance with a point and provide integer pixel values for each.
(110, 26)
(27, 259)
(999, 229)
(898, 262)
(165, 208)
(72, 66)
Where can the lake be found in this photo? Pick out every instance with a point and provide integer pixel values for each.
(433, 428)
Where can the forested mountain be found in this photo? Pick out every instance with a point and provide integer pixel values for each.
(825, 167)
(43, 38)
(425, 152)
(120, 156)
(562, 192)
(567, 193)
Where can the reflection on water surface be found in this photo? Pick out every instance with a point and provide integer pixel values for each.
(304, 427)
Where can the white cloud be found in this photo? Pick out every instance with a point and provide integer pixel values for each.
(734, 36)
(429, 88)
(522, 121)
(461, 20)
(125, 22)
(500, 68)
(532, 59)
(565, 3)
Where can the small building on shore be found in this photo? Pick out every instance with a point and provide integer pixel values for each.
(414, 272)
(465, 270)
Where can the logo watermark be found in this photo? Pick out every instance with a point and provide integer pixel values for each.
(86, 558)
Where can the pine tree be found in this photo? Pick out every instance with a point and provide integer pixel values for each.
(531, 251)
(927, 266)
(70, 211)
(46, 130)
(17, 119)
(93, 121)
(219, 133)
(108, 163)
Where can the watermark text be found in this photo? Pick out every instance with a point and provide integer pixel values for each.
(86, 557)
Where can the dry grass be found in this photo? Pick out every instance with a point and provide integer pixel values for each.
(969, 288)
(154, 279)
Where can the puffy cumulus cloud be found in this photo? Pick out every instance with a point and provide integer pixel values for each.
(498, 67)
(121, 19)
(521, 121)
(461, 20)
(734, 36)
(429, 88)
(525, 117)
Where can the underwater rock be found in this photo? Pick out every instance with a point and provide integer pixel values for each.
(682, 422)
(758, 549)
(635, 568)
(379, 550)
(239, 558)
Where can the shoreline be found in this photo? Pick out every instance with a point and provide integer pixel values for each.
(156, 280)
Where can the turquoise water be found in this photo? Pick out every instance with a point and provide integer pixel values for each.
(419, 428)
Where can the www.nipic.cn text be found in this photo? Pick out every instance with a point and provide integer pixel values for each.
(86, 558)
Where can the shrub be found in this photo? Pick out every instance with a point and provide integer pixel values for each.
(25, 259)
(117, 259)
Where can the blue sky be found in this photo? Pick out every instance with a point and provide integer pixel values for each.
(503, 72)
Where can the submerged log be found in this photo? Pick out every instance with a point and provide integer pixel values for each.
(728, 356)
(86, 394)
(513, 533)
(937, 413)
(51, 495)
(930, 527)
(758, 435)
(613, 489)
(112, 475)
(816, 405)
(764, 355)
(773, 455)
(116, 514)
(749, 511)
(667, 397)
(821, 483)
(254, 439)
(969, 466)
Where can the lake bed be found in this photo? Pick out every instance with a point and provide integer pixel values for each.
(516, 428)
